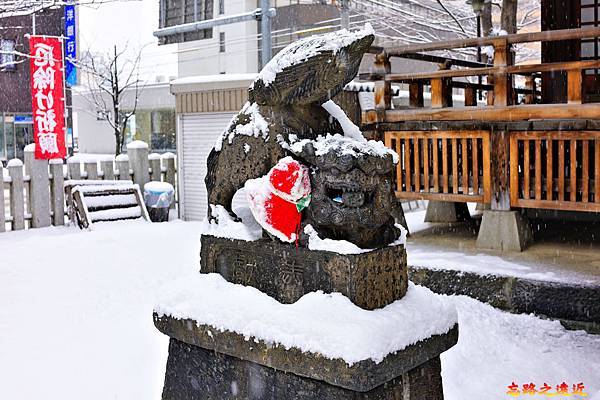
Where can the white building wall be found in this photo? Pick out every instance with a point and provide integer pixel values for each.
(202, 57)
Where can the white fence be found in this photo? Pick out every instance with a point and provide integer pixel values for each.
(32, 194)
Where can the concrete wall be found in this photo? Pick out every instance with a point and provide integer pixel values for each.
(96, 136)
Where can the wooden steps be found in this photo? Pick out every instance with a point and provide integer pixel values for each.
(102, 201)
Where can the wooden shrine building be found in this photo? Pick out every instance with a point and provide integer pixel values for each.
(528, 136)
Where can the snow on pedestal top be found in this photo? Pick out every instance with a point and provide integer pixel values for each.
(328, 324)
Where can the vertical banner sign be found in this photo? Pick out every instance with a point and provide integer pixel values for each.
(70, 45)
(47, 97)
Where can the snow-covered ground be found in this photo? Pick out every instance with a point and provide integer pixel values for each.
(76, 321)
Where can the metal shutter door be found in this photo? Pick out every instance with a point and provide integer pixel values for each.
(199, 133)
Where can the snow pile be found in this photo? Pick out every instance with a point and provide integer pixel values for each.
(343, 246)
(14, 162)
(159, 187)
(122, 157)
(336, 246)
(30, 148)
(137, 144)
(256, 127)
(110, 201)
(343, 145)
(247, 229)
(303, 49)
(116, 213)
(167, 155)
(350, 129)
(329, 324)
(92, 188)
(496, 348)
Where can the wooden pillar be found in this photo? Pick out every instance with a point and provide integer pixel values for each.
(108, 170)
(74, 168)
(574, 87)
(122, 161)
(154, 160)
(499, 171)
(470, 96)
(415, 90)
(17, 202)
(502, 81)
(57, 192)
(168, 160)
(530, 86)
(39, 189)
(383, 88)
(138, 160)
(91, 169)
(441, 90)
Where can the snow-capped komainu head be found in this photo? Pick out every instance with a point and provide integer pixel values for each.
(313, 69)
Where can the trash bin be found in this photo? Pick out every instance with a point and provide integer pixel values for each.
(158, 197)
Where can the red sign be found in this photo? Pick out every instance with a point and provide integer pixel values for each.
(47, 97)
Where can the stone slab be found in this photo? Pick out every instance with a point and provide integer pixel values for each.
(285, 272)
(361, 377)
(578, 305)
(194, 373)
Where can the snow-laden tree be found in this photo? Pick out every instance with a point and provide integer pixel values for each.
(111, 78)
(422, 21)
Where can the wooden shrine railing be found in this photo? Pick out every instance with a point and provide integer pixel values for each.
(556, 170)
(499, 85)
(444, 166)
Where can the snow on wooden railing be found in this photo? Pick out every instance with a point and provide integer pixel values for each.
(32, 193)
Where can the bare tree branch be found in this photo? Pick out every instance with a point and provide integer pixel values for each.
(110, 79)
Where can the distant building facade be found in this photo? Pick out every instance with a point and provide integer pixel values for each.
(153, 122)
(16, 127)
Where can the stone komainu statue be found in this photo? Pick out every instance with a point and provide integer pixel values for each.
(286, 105)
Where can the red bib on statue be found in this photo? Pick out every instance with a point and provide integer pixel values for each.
(277, 199)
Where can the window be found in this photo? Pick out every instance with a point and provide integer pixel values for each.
(590, 48)
(7, 56)
(221, 6)
(222, 42)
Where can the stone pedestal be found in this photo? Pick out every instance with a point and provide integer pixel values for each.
(285, 272)
(504, 231)
(207, 364)
(446, 211)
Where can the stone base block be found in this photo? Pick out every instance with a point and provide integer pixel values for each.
(205, 363)
(285, 272)
(194, 373)
(504, 230)
(445, 211)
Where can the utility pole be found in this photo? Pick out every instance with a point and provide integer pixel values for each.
(265, 31)
(345, 14)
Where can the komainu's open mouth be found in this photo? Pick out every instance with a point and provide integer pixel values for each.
(350, 196)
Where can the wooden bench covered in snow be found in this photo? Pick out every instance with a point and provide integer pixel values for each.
(96, 201)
